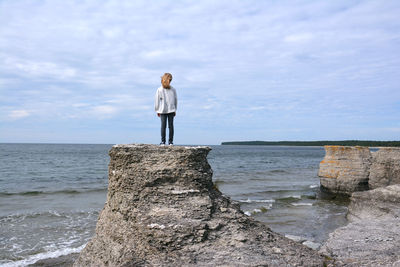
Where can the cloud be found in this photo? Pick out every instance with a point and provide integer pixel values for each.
(18, 114)
(154, 54)
(112, 33)
(104, 111)
(298, 38)
(253, 63)
(36, 69)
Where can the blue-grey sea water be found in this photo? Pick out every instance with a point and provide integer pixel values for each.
(51, 194)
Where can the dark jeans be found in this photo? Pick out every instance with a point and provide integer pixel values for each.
(170, 118)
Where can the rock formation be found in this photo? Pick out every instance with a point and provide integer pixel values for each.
(348, 169)
(380, 203)
(385, 168)
(345, 169)
(372, 238)
(162, 209)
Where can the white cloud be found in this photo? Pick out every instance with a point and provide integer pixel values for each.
(154, 54)
(18, 114)
(104, 111)
(7, 82)
(299, 38)
(80, 105)
(112, 33)
(38, 69)
(246, 61)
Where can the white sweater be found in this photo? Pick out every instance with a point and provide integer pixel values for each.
(165, 100)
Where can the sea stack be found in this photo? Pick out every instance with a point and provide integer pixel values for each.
(162, 209)
(372, 237)
(345, 169)
(385, 168)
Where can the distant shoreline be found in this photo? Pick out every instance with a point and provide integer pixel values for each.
(368, 143)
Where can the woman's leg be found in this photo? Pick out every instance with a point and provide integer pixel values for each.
(171, 128)
(163, 126)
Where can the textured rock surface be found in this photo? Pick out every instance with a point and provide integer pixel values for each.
(381, 203)
(163, 210)
(385, 168)
(372, 238)
(345, 169)
(62, 261)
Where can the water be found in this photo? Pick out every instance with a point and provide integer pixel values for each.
(51, 195)
(279, 185)
(50, 198)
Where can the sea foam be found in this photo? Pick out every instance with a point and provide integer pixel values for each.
(302, 204)
(257, 200)
(45, 255)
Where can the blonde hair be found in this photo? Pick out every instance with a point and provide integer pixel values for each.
(166, 80)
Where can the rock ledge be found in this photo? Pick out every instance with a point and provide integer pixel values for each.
(162, 209)
(372, 238)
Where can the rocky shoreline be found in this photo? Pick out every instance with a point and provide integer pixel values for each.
(372, 237)
(162, 209)
(345, 169)
(62, 261)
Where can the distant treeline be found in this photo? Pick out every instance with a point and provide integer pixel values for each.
(317, 143)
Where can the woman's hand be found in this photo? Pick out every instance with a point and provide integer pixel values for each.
(158, 114)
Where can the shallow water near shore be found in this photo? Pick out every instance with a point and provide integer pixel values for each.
(51, 194)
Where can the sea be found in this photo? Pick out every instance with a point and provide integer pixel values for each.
(51, 194)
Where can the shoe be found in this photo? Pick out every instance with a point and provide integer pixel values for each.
(162, 144)
(170, 144)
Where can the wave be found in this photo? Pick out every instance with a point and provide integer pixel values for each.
(272, 190)
(45, 255)
(257, 200)
(302, 204)
(65, 192)
(258, 210)
(289, 198)
(50, 213)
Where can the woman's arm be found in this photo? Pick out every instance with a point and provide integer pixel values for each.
(176, 100)
(156, 101)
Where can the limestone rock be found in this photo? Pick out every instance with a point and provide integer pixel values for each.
(345, 169)
(312, 244)
(365, 243)
(162, 209)
(372, 238)
(381, 203)
(296, 238)
(385, 168)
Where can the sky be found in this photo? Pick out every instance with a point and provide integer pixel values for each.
(87, 71)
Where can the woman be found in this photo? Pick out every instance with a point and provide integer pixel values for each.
(165, 105)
